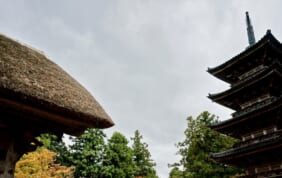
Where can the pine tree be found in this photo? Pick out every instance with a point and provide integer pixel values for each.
(144, 165)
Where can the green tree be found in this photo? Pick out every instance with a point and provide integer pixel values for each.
(87, 153)
(175, 173)
(144, 165)
(118, 161)
(200, 141)
(55, 144)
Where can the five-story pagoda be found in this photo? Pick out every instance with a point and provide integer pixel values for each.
(255, 77)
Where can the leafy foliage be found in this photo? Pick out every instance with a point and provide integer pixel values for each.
(93, 157)
(144, 165)
(200, 141)
(53, 143)
(118, 160)
(40, 163)
(176, 173)
(87, 153)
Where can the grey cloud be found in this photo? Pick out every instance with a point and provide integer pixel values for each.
(144, 61)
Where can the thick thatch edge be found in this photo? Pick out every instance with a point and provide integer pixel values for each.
(21, 100)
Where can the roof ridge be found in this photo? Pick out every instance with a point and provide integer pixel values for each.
(24, 44)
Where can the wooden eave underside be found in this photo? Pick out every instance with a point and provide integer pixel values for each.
(46, 115)
(228, 126)
(267, 40)
(240, 155)
(224, 97)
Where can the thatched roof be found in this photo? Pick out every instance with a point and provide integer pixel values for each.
(29, 80)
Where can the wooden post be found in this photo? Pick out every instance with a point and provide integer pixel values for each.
(13, 144)
(8, 160)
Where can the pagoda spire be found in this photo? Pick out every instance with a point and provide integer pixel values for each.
(250, 30)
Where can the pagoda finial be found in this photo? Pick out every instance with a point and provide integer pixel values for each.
(250, 30)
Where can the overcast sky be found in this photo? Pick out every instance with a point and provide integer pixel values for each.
(145, 61)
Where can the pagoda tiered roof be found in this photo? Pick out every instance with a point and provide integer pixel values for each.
(255, 152)
(249, 120)
(234, 97)
(255, 93)
(253, 56)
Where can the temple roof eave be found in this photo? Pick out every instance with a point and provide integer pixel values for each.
(222, 96)
(245, 149)
(267, 39)
(227, 124)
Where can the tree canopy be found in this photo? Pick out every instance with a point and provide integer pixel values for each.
(118, 161)
(144, 165)
(176, 173)
(41, 163)
(91, 155)
(54, 144)
(199, 142)
(87, 153)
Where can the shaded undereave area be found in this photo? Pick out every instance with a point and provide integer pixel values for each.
(255, 78)
(37, 96)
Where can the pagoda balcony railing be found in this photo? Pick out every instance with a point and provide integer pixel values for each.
(255, 106)
(258, 138)
(257, 100)
(249, 146)
(259, 133)
(250, 74)
(272, 170)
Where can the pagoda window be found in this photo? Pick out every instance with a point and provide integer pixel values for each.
(252, 72)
